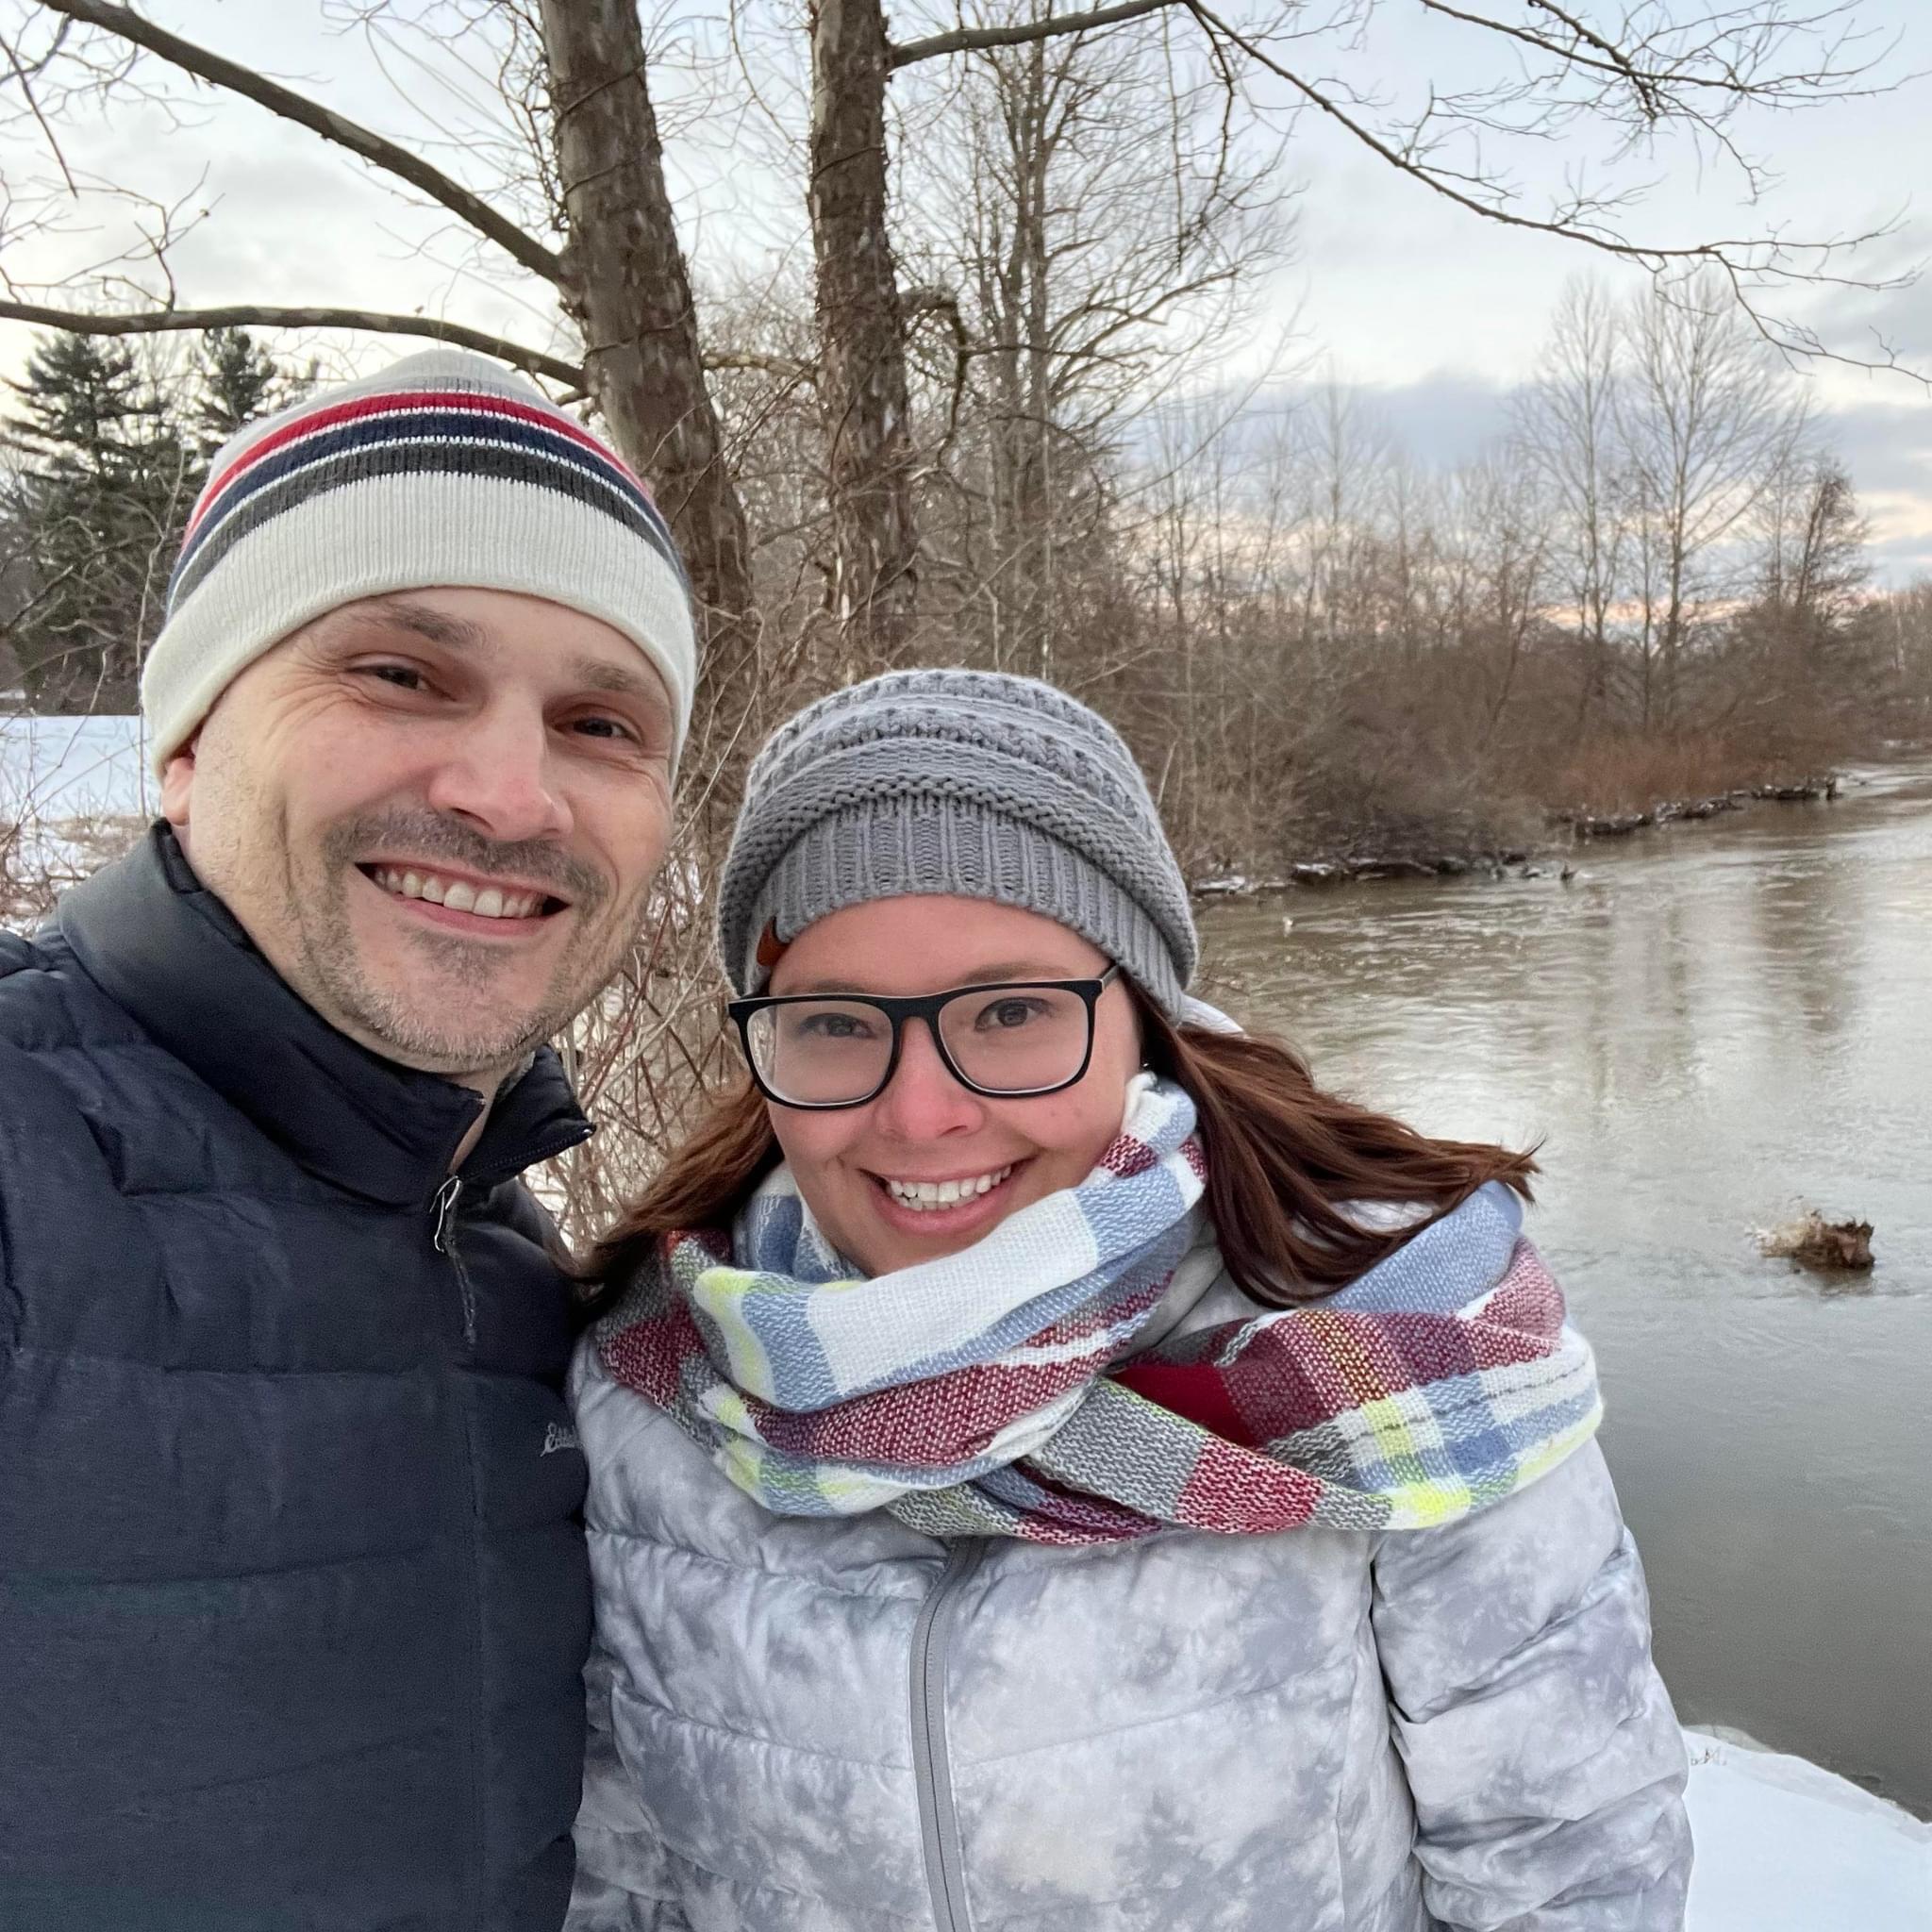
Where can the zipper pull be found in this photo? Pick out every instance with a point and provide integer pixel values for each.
(446, 1198)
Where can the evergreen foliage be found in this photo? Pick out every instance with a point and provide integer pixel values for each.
(239, 381)
(109, 453)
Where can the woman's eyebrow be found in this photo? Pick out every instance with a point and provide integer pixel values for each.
(998, 973)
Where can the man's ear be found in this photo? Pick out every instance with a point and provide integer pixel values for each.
(177, 782)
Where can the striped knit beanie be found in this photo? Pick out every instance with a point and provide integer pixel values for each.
(969, 783)
(445, 470)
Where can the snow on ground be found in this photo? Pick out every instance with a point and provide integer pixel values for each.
(1785, 1846)
(73, 794)
(69, 768)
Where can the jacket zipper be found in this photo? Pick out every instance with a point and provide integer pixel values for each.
(939, 1824)
(445, 1237)
(442, 1238)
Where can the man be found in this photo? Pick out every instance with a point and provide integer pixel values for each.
(293, 1599)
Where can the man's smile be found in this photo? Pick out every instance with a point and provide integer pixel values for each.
(464, 900)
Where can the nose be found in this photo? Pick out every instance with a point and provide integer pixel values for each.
(922, 1101)
(498, 774)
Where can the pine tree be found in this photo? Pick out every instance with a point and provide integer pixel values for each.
(238, 381)
(103, 482)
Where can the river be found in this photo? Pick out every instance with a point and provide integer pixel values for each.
(1713, 1025)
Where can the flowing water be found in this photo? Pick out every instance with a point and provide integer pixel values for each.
(1711, 1027)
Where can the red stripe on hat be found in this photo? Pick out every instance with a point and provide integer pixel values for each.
(327, 417)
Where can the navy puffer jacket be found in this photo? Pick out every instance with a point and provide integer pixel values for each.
(293, 1594)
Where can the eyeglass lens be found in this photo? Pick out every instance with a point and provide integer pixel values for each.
(1008, 1039)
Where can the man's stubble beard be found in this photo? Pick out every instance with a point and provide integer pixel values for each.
(443, 1030)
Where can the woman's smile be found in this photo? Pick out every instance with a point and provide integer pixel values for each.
(965, 1206)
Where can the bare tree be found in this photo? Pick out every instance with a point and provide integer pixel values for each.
(1104, 235)
(1707, 418)
(1567, 435)
(623, 280)
(862, 391)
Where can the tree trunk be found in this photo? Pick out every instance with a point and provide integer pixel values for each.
(627, 286)
(862, 396)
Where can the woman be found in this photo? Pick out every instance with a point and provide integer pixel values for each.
(1053, 1468)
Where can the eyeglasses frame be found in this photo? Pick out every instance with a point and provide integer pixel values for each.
(900, 1007)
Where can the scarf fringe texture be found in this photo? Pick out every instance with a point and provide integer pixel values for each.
(999, 1392)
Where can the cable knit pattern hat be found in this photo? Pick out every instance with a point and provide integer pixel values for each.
(445, 469)
(962, 782)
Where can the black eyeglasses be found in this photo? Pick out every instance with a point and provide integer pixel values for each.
(1014, 1040)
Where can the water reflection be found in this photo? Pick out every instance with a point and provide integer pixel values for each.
(1708, 1029)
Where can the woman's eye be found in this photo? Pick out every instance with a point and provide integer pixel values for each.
(833, 1026)
(1006, 1014)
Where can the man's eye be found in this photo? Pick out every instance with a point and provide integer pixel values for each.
(599, 725)
(404, 676)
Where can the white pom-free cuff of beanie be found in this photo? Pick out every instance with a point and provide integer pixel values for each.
(382, 535)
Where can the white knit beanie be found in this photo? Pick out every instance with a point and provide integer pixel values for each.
(446, 470)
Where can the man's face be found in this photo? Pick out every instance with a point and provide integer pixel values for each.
(438, 813)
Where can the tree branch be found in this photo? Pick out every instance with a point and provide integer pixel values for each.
(976, 40)
(247, 315)
(393, 159)
(1650, 255)
(788, 367)
(1647, 82)
(27, 89)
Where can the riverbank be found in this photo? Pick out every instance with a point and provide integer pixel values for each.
(1567, 829)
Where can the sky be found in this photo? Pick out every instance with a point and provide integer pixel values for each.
(1435, 315)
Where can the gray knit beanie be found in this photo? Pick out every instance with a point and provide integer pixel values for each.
(964, 782)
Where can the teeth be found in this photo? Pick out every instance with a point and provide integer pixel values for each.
(922, 1196)
(491, 903)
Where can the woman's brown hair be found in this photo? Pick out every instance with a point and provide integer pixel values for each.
(1282, 1157)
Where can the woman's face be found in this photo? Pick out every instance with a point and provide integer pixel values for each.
(926, 1127)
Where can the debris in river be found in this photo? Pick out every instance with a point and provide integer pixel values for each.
(1802, 793)
(1236, 885)
(1815, 1243)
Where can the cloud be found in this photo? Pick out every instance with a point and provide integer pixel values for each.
(1898, 560)
(1450, 417)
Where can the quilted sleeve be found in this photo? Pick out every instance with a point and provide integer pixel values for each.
(621, 1884)
(1544, 1758)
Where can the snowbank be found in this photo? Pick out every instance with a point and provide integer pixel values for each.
(52, 769)
(1785, 1846)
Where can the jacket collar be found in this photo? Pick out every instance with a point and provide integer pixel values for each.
(171, 954)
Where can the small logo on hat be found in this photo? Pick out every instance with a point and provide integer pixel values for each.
(559, 1436)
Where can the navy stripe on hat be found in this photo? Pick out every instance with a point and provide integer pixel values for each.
(449, 440)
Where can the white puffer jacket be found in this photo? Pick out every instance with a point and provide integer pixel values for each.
(800, 1725)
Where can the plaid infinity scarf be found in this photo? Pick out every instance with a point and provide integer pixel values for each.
(987, 1394)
